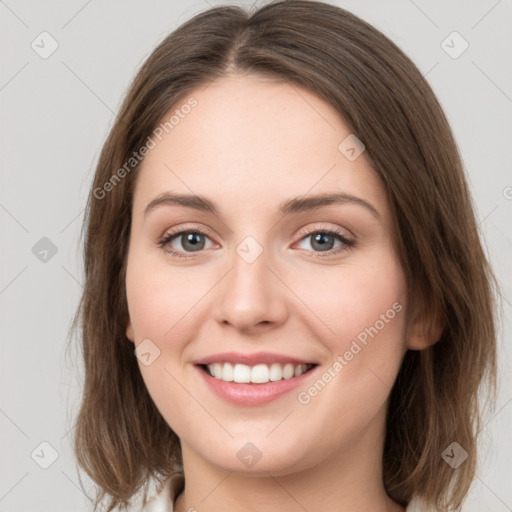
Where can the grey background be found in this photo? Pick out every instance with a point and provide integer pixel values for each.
(56, 113)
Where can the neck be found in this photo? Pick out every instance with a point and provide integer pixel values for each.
(349, 479)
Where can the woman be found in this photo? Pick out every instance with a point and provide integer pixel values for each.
(286, 300)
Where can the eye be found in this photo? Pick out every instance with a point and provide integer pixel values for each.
(190, 241)
(323, 241)
(194, 241)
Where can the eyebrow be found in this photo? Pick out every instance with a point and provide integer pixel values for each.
(293, 205)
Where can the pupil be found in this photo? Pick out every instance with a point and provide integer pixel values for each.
(194, 240)
(320, 238)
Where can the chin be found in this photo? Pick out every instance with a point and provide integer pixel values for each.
(258, 458)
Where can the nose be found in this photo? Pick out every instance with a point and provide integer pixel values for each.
(251, 297)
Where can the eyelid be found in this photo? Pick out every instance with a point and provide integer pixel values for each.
(185, 228)
(318, 227)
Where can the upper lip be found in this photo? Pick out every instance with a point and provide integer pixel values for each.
(251, 359)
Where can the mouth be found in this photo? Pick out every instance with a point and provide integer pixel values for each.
(257, 374)
(254, 384)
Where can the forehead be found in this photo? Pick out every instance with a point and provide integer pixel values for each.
(257, 141)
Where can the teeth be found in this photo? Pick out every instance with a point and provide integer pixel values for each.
(217, 370)
(258, 374)
(227, 372)
(242, 373)
(299, 370)
(276, 372)
(288, 371)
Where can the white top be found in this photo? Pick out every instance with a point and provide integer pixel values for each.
(163, 501)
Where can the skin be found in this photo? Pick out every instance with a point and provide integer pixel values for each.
(248, 145)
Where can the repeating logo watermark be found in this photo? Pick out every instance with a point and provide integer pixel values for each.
(44, 455)
(44, 250)
(147, 352)
(249, 249)
(454, 455)
(351, 147)
(454, 45)
(44, 45)
(249, 455)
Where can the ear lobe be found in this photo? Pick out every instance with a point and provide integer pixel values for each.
(129, 331)
(424, 332)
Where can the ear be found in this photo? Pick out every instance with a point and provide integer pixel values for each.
(129, 331)
(424, 330)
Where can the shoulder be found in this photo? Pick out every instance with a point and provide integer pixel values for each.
(163, 500)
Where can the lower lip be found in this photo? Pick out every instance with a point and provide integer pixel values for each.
(252, 394)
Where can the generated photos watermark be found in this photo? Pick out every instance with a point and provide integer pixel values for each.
(357, 345)
(137, 156)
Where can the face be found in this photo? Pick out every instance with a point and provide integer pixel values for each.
(305, 300)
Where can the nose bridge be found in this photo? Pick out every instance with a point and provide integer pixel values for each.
(251, 295)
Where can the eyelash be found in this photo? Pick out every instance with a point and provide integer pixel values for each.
(347, 244)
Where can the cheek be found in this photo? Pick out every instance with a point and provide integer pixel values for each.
(158, 301)
(362, 312)
(363, 306)
(157, 298)
(359, 301)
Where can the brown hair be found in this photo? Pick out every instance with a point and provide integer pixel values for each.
(121, 439)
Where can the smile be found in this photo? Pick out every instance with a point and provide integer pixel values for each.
(253, 379)
(257, 374)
